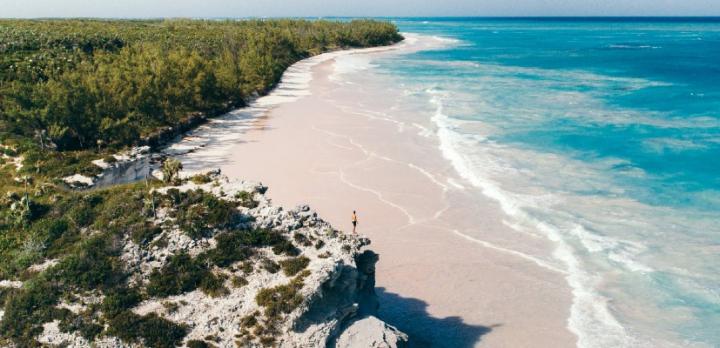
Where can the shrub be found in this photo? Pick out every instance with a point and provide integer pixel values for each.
(301, 239)
(246, 199)
(238, 282)
(294, 265)
(170, 170)
(281, 299)
(269, 265)
(285, 247)
(171, 307)
(155, 331)
(214, 285)
(181, 274)
(197, 212)
(143, 232)
(27, 309)
(119, 300)
(200, 179)
(94, 265)
(320, 244)
(230, 249)
(199, 344)
(83, 324)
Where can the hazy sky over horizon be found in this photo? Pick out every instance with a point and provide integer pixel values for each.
(311, 8)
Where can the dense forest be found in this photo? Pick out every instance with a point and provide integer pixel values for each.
(80, 84)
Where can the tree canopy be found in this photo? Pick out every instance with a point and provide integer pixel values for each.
(82, 84)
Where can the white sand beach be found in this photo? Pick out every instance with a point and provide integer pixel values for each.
(452, 273)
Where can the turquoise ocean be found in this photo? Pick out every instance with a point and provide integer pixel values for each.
(602, 135)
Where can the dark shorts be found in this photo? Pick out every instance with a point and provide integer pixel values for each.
(354, 223)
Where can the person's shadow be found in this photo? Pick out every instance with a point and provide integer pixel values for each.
(410, 316)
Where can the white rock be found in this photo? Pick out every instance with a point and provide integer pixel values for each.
(371, 332)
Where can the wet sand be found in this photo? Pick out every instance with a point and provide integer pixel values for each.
(445, 275)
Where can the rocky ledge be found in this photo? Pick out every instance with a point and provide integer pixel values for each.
(314, 288)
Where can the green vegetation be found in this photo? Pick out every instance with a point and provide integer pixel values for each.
(294, 265)
(199, 213)
(154, 331)
(281, 299)
(84, 84)
(74, 91)
(170, 170)
(179, 275)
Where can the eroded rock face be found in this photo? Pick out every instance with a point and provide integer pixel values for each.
(337, 291)
(371, 332)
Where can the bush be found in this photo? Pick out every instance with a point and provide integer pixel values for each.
(155, 331)
(143, 232)
(281, 299)
(199, 344)
(94, 265)
(302, 239)
(214, 285)
(26, 311)
(83, 324)
(181, 274)
(238, 282)
(198, 213)
(285, 247)
(246, 199)
(200, 179)
(120, 299)
(294, 265)
(269, 265)
(230, 249)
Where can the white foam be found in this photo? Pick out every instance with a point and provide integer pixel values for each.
(590, 317)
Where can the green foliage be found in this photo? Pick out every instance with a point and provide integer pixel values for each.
(119, 300)
(236, 281)
(84, 323)
(294, 265)
(199, 344)
(200, 179)
(198, 213)
(170, 170)
(302, 239)
(281, 299)
(81, 84)
(246, 199)
(269, 265)
(28, 309)
(94, 265)
(154, 331)
(214, 285)
(179, 275)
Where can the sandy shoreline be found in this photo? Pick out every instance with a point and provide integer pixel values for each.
(334, 149)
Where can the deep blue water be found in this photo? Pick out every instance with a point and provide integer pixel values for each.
(619, 120)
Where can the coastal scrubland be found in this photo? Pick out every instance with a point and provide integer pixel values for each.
(75, 91)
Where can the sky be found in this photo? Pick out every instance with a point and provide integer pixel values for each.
(354, 8)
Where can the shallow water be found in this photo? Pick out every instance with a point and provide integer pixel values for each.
(601, 136)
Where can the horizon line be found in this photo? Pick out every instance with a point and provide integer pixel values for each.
(601, 17)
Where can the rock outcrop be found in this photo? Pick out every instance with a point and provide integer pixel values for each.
(335, 299)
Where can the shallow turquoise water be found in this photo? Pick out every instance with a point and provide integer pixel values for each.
(606, 135)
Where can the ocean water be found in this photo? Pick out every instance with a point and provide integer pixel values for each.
(602, 136)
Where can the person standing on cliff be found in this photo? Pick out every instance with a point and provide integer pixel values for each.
(354, 220)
